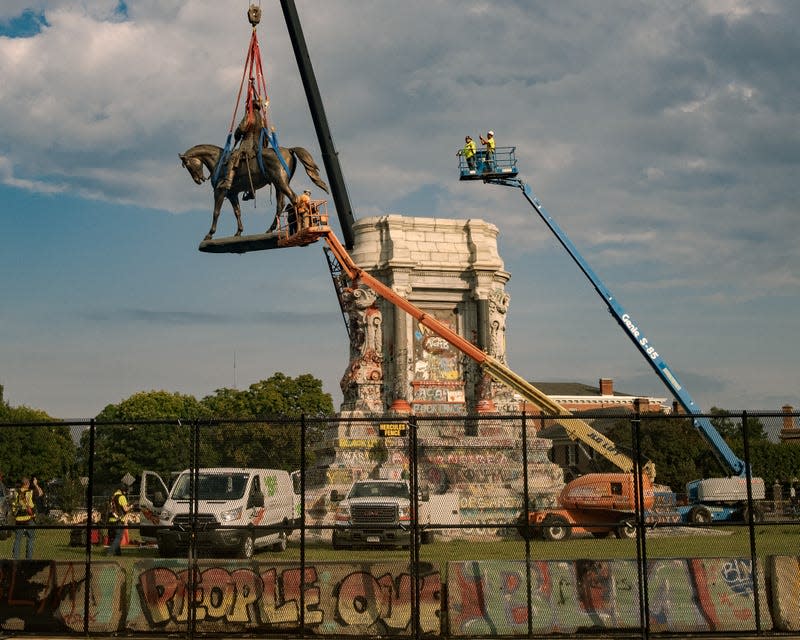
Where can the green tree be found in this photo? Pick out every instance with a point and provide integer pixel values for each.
(45, 450)
(129, 445)
(729, 427)
(274, 439)
(677, 450)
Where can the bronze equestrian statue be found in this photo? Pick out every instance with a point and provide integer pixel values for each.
(247, 177)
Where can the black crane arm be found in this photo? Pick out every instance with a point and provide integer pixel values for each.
(330, 157)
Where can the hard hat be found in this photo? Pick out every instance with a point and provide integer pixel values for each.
(308, 191)
(491, 133)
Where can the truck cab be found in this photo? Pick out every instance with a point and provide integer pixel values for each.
(377, 513)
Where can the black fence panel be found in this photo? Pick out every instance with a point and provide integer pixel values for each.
(409, 526)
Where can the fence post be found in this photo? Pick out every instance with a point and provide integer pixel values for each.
(526, 522)
(89, 512)
(641, 544)
(751, 511)
(302, 525)
(415, 541)
(194, 481)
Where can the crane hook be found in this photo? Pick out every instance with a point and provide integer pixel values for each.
(254, 15)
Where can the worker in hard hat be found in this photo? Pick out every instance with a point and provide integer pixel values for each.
(468, 152)
(488, 141)
(302, 209)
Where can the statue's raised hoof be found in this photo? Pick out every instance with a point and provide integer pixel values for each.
(237, 234)
(208, 237)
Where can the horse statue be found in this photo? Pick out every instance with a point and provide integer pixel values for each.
(248, 177)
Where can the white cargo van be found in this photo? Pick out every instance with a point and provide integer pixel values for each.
(238, 510)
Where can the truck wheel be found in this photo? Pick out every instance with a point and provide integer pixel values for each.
(525, 530)
(758, 515)
(281, 544)
(246, 549)
(626, 530)
(700, 515)
(555, 528)
(166, 551)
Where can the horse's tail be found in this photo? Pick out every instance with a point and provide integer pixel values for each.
(311, 167)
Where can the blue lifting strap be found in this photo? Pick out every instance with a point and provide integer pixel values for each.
(223, 159)
(272, 138)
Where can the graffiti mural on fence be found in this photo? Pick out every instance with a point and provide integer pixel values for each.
(485, 598)
(40, 595)
(708, 594)
(337, 598)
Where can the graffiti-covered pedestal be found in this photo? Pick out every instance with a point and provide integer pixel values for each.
(451, 269)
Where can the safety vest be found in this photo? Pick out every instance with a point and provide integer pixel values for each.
(469, 149)
(24, 509)
(116, 506)
(490, 144)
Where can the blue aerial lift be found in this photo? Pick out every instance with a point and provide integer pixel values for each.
(718, 498)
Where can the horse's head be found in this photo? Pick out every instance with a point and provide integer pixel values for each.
(194, 166)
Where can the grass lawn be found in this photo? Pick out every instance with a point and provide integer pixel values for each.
(53, 544)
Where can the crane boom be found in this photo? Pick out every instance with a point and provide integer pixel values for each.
(720, 448)
(330, 157)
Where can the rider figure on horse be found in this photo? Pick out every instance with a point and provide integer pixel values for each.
(248, 132)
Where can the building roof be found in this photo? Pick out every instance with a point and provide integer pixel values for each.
(570, 389)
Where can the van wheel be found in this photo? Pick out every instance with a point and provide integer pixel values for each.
(246, 550)
(281, 544)
(626, 530)
(555, 528)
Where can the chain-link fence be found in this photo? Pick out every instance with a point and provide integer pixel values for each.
(451, 526)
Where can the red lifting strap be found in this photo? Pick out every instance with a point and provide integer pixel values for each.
(257, 87)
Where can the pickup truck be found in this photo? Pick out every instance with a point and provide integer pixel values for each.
(378, 513)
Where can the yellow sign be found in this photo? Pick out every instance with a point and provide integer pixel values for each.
(393, 429)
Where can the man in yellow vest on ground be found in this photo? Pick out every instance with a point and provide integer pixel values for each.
(24, 510)
(117, 509)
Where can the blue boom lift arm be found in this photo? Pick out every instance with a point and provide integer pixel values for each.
(721, 450)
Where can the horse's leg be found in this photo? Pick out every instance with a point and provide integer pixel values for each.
(219, 197)
(237, 211)
(278, 209)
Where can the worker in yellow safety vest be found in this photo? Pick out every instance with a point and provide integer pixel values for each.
(469, 150)
(488, 141)
(24, 509)
(117, 509)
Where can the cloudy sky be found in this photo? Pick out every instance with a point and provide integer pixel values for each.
(662, 136)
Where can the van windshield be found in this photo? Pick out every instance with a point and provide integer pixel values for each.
(211, 486)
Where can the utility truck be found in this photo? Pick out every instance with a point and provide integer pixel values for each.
(378, 513)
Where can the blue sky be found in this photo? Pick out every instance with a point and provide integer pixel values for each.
(663, 137)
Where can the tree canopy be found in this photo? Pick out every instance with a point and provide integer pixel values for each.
(45, 451)
(263, 432)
